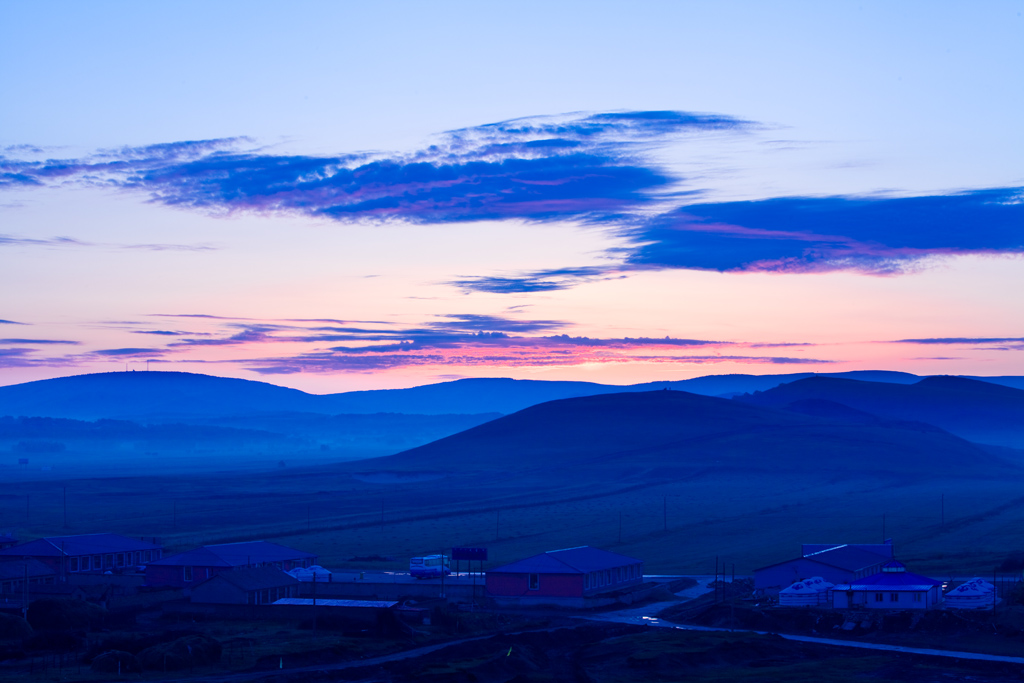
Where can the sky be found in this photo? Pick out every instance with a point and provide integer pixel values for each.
(338, 196)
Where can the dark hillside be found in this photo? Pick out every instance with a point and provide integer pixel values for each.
(182, 396)
(975, 410)
(134, 395)
(662, 432)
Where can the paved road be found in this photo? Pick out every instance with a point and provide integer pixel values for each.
(632, 618)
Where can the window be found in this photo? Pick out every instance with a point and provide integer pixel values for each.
(187, 573)
(534, 582)
(878, 597)
(894, 597)
(917, 597)
(73, 564)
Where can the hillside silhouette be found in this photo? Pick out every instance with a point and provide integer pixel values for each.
(176, 396)
(975, 410)
(665, 433)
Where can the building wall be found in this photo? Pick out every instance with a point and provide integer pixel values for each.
(172, 575)
(548, 585)
(905, 600)
(613, 579)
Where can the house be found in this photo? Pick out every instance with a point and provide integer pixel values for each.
(90, 553)
(246, 586)
(194, 566)
(834, 563)
(7, 539)
(563, 577)
(892, 588)
(15, 572)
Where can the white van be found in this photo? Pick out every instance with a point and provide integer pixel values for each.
(429, 566)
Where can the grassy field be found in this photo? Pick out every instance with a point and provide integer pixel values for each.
(675, 526)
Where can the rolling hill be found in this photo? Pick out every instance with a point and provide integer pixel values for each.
(666, 433)
(975, 410)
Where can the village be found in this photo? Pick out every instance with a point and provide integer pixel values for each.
(48, 584)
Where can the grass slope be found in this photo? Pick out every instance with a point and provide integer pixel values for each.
(979, 411)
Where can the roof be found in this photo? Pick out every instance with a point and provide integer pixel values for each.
(379, 604)
(234, 555)
(883, 549)
(254, 578)
(11, 568)
(568, 561)
(847, 557)
(891, 581)
(85, 544)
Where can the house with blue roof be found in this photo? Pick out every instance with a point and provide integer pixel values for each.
(563, 577)
(892, 588)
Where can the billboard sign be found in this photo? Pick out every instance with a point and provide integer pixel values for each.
(473, 554)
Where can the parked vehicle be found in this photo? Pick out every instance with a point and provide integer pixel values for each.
(429, 566)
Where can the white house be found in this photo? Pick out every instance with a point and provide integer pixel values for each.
(892, 588)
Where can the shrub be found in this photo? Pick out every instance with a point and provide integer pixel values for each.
(181, 653)
(116, 662)
(13, 627)
(54, 641)
(63, 614)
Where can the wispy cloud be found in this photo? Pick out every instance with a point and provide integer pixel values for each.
(538, 280)
(34, 342)
(11, 322)
(989, 343)
(586, 166)
(14, 241)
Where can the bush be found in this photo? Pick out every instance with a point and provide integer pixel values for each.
(116, 662)
(181, 653)
(13, 627)
(63, 614)
(135, 642)
(54, 641)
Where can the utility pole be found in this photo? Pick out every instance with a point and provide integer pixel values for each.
(716, 579)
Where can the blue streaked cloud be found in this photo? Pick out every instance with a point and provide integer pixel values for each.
(597, 169)
(878, 235)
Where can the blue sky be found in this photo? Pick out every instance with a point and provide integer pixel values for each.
(467, 188)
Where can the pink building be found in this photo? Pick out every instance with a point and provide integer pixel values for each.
(563, 577)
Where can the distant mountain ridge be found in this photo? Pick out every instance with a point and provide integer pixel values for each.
(169, 396)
